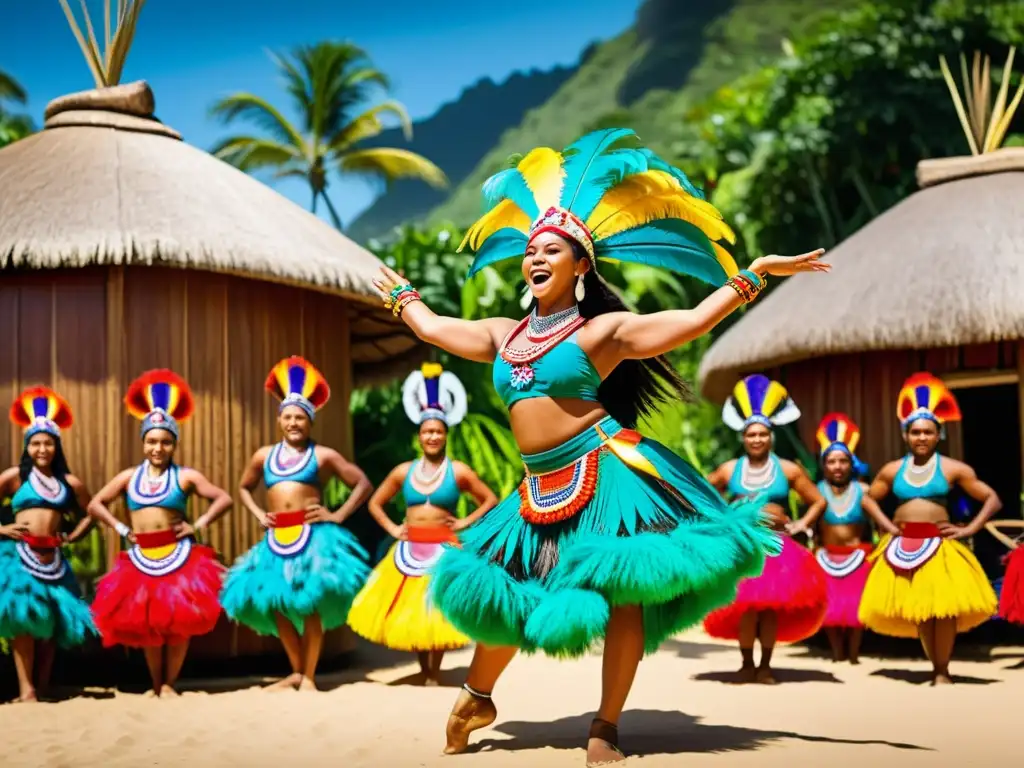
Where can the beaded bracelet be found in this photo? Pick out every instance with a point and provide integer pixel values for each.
(404, 299)
(740, 290)
(396, 292)
(754, 278)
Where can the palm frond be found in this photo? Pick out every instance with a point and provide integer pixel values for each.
(984, 125)
(368, 124)
(11, 89)
(107, 63)
(388, 164)
(247, 106)
(249, 153)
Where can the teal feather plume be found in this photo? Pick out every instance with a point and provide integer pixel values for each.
(506, 243)
(510, 185)
(670, 244)
(604, 173)
(580, 156)
(655, 163)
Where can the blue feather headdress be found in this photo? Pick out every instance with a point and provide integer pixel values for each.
(619, 204)
(759, 400)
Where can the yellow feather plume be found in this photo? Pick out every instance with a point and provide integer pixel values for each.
(726, 260)
(504, 214)
(544, 175)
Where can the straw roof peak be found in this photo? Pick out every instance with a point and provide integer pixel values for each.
(128, 107)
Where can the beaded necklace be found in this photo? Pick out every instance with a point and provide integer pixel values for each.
(839, 504)
(49, 488)
(919, 476)
(427, 484)
(539, 328)
(520, 359)
(756, 479)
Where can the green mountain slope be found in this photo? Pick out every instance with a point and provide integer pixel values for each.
(647, 77)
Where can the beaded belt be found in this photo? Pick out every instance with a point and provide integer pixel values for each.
(289, 534)
(915, 546)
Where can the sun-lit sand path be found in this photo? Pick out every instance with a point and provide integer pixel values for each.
(682, 712)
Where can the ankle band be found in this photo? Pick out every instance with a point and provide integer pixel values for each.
(474, 692)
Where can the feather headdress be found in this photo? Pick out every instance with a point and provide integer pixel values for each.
(759, 400)
(838, 432)
(160, 399)
(295, 381)
(40, 409)
(619, 204)
(923, 396)
(434, 393)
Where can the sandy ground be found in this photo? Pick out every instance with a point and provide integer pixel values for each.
(682, 712)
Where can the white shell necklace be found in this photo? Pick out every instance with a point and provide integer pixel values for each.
(756, 479)
(839, 504)
(49, 488)
(425, 483)
(920, 475)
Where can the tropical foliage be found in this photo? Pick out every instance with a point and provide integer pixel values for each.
(12, 126)
(329, 85)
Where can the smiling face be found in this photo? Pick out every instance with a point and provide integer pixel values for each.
(433, 438)
(922, 438)
(757, 441)
(550, 269)
(41, 449)
(158, 447)
(295, 424)
(838, 468)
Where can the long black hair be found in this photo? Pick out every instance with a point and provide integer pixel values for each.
(60, 469)
(635, 388)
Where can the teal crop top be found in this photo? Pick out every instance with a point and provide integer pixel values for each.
(302, 469)
(936, 489)
(775, 491)
(853, 514)
(564, 372)
(34, 494)
(446, 496)
(167, 495)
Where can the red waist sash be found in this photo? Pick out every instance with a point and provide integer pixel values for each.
(920, 530)
(847, 549)
(431, 534)
(156, 539)
(42, 542)
(288, 519)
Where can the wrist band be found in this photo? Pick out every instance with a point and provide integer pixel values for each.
(122, 530)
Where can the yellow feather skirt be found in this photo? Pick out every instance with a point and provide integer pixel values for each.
(394, 607)
(951, 584)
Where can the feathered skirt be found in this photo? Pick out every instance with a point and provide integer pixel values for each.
(161, 591)
(296, 571)
(792, 585)
(41, 599)
(846, 572)
(606, 519)
(919, 576)
(1011, 597)
(395, 609)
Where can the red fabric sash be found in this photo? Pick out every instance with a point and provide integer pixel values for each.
(920, 530)
(42, 542)
(432, 534)
(843, 549)
(288, 519)
(156, 539)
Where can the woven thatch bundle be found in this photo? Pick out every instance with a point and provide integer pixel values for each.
(105, 183)
(944, 267)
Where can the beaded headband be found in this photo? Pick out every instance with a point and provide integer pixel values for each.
(562, 222)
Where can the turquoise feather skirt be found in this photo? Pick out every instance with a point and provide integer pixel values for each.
(296, 572)
(606, 519)
(40, 599)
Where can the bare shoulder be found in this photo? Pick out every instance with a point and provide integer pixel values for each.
(323, 453)
(956, 468)
(791, 469)
(461, 469)
(499, 327)
(9, 475)
(728, 467)
(403, 469)
(603, 326)
(261, 454)
(73, 482)
(889, 470)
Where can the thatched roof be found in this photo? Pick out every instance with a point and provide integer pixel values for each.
(944, 267)
(106, 183)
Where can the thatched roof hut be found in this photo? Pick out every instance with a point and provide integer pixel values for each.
(123, 248)
(935, 283)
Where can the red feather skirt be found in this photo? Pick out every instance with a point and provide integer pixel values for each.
(153, 598)
(1011, 598)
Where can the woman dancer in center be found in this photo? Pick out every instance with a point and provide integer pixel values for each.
(924, 582)
(610, 537)
(787, 601)
(162, 591)
(845, 534)
(41, 604)
(299, 580)
(394, 607)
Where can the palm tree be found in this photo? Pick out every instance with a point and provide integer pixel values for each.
(328, 84)
(12, 127)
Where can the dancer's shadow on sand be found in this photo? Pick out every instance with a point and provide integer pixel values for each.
(782, 676)
(656, 732)
(685, 649)
(916, 677)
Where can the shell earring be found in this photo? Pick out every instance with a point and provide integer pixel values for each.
(581, 290)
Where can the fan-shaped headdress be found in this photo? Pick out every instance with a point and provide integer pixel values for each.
(160, 399)
(923, 396)
(759, 400)
(838, 432)
(434, 393)
(295, 381)
(618, 204)
(40, 409)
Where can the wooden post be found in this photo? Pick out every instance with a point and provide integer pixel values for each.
(115, 368)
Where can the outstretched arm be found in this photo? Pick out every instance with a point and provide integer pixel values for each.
(350, 475)
(220, 501)
(470, 482)
(966, 478)
(82, 496)
(639, 337)
(993, 527)
(385, 492)
(476, 340)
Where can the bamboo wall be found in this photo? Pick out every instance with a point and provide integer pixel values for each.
(88, 332)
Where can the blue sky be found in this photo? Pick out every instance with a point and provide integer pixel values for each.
(191, 53)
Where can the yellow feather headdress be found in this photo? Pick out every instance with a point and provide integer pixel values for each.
(620, 204)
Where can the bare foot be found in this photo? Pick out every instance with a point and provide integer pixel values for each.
(600, 752)
(469, 714)
(430, 682)
(854, 660)
(151, 694)
(168, 692)
(765, 677)
(307, 684)
(942, 678)
(289, 683)
(28, 697)
(746, 675)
